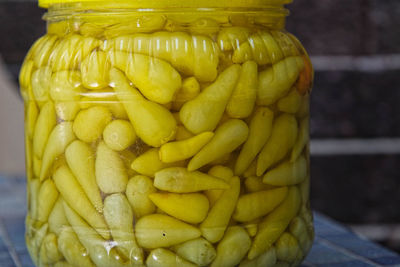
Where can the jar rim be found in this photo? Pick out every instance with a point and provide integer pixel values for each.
(166, 3)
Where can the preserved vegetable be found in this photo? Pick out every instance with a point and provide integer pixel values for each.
(167, 139)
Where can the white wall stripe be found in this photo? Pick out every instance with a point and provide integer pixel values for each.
(378, 232)
(328, 147)
(373, 63)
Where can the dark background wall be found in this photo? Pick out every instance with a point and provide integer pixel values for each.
(356, 96)
(355, 47)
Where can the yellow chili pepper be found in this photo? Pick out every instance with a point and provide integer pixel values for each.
(254, 205)
(41, 85)
(101, 254)
(230, 38)
(49, 253)
(244, 95)
(198, 251)
(153, 123)
(80, 159)
(75, 197)
(232, 248)
(57, 220)
(214, 226)
(72, 249)
(111, 175)
(276, 81)
(221, 172)
(89, 124)
(189, 90)
(255, 184)
(181, 150)
(193, 55)
(137, 191)
(287, 248)
(118, 215)
(61, 136)
(283, 136)
(156, 79)
(227, 138)
(180, 180)
(119, 135)
(161, 257)
(273, 225)
(95, 69)
(44, 126)
(290, 103)
(149, 163)
(259, 131)
(302, 139)
(157, 230)
(191, 208)
(267, 259)
(287, 173)
(47, 197)
(204, 112)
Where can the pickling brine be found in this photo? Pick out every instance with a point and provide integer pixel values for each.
(167, 134)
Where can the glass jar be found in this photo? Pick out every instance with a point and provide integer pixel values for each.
(167, 133)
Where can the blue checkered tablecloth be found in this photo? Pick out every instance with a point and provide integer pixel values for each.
(334, 244)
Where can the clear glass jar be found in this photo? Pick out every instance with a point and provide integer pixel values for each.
(167, 133)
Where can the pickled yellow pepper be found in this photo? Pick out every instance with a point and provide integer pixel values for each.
(153, 123)
(166, 139)
(204, 111)
(73, 194)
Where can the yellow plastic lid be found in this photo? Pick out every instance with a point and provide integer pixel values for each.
(167, 3)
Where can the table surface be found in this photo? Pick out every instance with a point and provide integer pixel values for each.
(334, 245)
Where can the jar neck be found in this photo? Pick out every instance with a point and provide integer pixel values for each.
(240, 14)
(166, 4)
